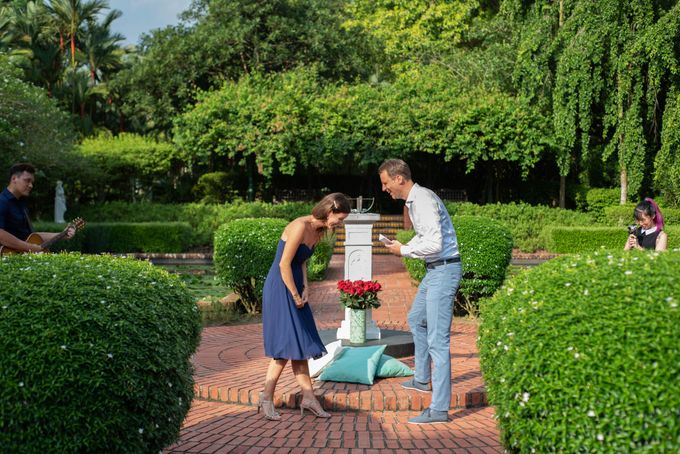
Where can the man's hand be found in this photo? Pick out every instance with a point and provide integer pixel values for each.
(34, 247)
(70, 232)
(394, 247)
(305, 295)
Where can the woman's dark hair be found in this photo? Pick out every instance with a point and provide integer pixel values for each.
(649, 208)
(337, 202)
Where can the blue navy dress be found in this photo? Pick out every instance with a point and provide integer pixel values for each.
(289, 332)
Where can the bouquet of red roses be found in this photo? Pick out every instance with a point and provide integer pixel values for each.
(359, 294)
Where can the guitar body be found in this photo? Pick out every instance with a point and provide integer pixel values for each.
(33, 238)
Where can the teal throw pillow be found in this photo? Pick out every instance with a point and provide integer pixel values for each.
(392, 367)
(354, 365)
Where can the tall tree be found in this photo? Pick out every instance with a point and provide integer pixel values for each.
(70, 16)
(595, 63)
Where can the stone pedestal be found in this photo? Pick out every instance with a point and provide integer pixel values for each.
(359, 264)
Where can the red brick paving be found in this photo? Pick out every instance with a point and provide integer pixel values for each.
(230, 369)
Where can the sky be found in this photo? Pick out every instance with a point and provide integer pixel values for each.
(142, 16)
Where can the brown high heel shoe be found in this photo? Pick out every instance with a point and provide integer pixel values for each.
(267, 407)
(314, 406)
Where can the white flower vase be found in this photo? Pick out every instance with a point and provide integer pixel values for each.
(357, 326)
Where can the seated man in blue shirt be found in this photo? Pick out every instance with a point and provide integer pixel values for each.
(15, 226)
(432, 310)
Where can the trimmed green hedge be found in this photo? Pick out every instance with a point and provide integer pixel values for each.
(122, 237)
(524, 221)
(581, 354)
(204, 219)
(570, 240)
(244, 252)
(622, 215)
(95, 354)
(485, 250)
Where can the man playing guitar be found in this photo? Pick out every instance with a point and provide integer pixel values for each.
(15, 226)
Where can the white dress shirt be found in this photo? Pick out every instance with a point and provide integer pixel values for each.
(435, 236)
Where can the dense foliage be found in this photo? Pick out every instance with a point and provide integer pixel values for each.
(580, 354)
(95, 351)
(485, 249)
(203, 218)
(32, 128)
(244, 252)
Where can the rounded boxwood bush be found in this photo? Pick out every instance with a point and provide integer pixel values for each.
(95, 354)
(581, 354)
(244, 252)
(485, 250)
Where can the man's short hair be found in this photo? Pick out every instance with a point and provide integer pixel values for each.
(21, 167)
(395, 167)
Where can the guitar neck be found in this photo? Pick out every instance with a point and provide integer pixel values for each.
(47, 244)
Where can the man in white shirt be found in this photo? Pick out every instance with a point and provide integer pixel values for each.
(432, 310)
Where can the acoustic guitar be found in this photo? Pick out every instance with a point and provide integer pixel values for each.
(35, 238)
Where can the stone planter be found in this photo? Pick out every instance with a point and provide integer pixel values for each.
(357, 326)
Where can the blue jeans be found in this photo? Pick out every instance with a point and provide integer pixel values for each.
(430, 322)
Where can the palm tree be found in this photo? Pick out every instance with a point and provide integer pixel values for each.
(70, 15)
(102, 52)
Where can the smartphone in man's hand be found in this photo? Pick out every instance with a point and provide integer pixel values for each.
(384, 239)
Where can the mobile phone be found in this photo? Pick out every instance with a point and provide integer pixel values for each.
(384, 239)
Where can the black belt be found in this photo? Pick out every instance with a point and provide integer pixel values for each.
(437, 263)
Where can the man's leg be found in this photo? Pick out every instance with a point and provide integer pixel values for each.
(442, 289)
(417, 322)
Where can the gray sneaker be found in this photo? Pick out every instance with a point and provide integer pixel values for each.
(430, 417)
(417, 386)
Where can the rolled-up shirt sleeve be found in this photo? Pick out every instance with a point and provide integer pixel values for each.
(427, 223)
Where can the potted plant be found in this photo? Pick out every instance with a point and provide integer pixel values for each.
(358, 296)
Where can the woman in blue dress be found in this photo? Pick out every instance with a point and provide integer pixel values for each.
(288, 325)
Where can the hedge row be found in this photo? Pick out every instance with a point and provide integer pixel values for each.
(581, 354)
(485, 250)
(570, 240)
(524, 221)
(204, 219)
(95, 354)
(124, 237)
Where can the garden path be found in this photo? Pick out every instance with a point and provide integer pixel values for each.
(230, 368)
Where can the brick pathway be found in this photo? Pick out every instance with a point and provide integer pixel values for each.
(230, 369)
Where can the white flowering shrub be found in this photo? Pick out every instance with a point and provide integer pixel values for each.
(244, 252)
(581, 354)
(485, 250)
(571, 240)
(94, 354)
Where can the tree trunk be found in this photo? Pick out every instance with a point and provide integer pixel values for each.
(624, 186)
(563, 191)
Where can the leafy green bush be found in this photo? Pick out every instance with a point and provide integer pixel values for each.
(524, 221)
(95, 351)
(485, 250)
(318, 262)
(599, 198)
(124, 237)
(244, 252)
(581, 354)
(570, 240)
(622, 215)
(216, 187)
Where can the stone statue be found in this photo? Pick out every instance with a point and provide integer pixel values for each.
(59, 203)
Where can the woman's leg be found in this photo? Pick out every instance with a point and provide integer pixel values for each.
(273, 373)
(301, 371)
